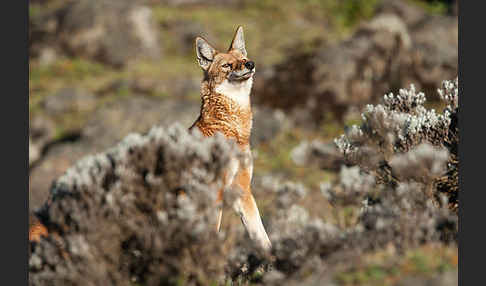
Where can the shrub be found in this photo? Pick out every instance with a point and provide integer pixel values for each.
(402, 124)
(142, 212)
(400, 155)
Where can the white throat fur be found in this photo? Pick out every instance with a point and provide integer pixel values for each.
(237, 91)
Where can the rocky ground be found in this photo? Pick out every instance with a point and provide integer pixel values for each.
(100, 70)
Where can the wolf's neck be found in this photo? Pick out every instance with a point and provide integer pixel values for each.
(232, 96)
(238, 91)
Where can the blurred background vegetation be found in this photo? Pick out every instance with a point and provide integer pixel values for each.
(101, 69)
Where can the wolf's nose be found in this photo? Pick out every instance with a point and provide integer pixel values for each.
(250, 65)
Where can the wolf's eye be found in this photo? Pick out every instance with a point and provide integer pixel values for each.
(227, 65)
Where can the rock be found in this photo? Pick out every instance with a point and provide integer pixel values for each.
(338, 76)
(409, 14)
(50, 152)
(435, 52)
(113, 32)
(57, 159)
(69, 100)
(41, 129)
(41, 133)
(34, 152)
(47, 56)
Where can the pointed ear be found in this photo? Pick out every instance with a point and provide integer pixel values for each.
(204, 52)
(238, 42)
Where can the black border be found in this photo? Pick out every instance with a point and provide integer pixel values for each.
(14, 121)
(462, 198)
(471, 174)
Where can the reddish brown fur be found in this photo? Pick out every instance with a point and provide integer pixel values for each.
(36, 230)
(243, 179)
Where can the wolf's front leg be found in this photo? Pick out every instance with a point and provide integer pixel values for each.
(219, 209)
(246, 206)
(220, 217)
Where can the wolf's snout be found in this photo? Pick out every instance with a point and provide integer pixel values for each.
(250, 65)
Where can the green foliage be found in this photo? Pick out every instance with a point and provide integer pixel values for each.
(434, 7)
(45, 79)
(34, 10)
(69, 69)
(349, 12)
(373, 274)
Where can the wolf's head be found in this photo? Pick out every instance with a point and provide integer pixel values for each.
(232, 68)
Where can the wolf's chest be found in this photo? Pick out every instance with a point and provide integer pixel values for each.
(225, 116)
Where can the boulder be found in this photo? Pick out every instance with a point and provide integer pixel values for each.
(336, 76)
(68, 100)
(113, 32)
(41, 133)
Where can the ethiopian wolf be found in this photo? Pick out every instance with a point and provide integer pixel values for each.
(225, 94)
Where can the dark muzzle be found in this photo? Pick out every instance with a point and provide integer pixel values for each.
(250, 65)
